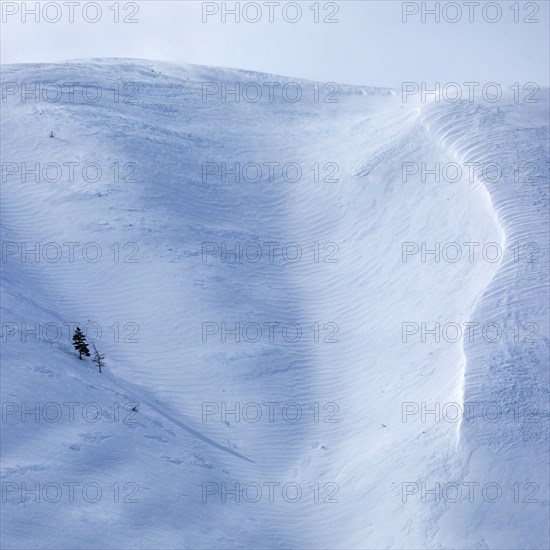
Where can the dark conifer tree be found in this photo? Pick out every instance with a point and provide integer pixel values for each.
(79, 343)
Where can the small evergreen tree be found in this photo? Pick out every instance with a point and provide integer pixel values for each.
(79, 343)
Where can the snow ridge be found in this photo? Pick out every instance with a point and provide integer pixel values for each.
(363, 215)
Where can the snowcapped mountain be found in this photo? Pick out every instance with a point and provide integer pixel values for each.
(323, 310)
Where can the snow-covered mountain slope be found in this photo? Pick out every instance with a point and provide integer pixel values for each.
(364, 453)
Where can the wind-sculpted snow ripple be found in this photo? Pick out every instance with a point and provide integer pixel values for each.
(511, 372)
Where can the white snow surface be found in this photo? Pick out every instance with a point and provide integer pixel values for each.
(168, 452)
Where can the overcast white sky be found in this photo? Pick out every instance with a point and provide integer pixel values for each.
(368, 45)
